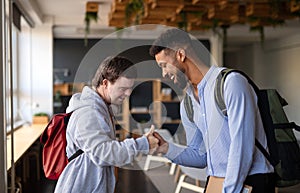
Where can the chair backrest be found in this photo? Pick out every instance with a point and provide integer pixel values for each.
(195, 173)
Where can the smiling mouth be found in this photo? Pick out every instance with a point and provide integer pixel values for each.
(172, 77)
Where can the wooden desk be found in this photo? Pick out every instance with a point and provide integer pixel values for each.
(24, 137)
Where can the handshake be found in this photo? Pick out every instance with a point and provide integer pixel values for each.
(157, 144)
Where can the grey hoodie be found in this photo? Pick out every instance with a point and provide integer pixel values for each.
(91, 129)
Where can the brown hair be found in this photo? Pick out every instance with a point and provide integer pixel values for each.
(112, 68)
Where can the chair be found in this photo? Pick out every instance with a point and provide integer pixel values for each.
(194, 173)
(168, 137)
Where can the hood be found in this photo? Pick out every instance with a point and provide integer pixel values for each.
(88, 97)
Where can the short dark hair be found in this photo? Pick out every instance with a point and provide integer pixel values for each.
(170, 39)
(112, 68)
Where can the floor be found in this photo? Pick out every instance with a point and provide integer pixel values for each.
(131, 179)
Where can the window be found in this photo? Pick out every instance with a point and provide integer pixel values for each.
(21, 56)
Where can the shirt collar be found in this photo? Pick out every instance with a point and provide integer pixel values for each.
(208, 78)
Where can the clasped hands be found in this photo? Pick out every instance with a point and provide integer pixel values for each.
(157, 144)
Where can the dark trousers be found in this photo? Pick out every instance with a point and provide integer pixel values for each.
(261, 183)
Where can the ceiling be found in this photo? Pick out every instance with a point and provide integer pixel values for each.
(68, 19)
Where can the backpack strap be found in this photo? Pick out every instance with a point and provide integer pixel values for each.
(219, 90)
(188, 105)
(287, 126)
(265, 153)
(75, 155)
(218, 93)
(78, 152)
(219, 87)
(67, 118)
(219, 96)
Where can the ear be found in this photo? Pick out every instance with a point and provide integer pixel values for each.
(181, 55)
(105, 83)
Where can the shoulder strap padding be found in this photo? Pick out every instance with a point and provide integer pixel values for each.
(219, 87)
(189, 107)
(219, 90)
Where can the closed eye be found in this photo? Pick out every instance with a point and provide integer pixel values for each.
(123, 89)
(162, 64)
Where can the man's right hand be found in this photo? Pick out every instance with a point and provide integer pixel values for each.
(163, 144)
(153, 141)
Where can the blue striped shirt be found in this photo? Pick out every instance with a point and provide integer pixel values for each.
(225, 145)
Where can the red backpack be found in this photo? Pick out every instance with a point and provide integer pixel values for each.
(54, 151)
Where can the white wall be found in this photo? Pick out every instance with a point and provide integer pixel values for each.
(42, 67)
(276, 64)
(24, 74)
(279, 67)
(280, 63)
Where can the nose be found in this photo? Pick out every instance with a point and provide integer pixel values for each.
(164, 73)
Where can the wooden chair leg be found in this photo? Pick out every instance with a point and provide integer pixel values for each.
(172, 169)
(179, 185)
(197, 182)
(177, 174)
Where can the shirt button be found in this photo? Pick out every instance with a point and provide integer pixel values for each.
(203, 115)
